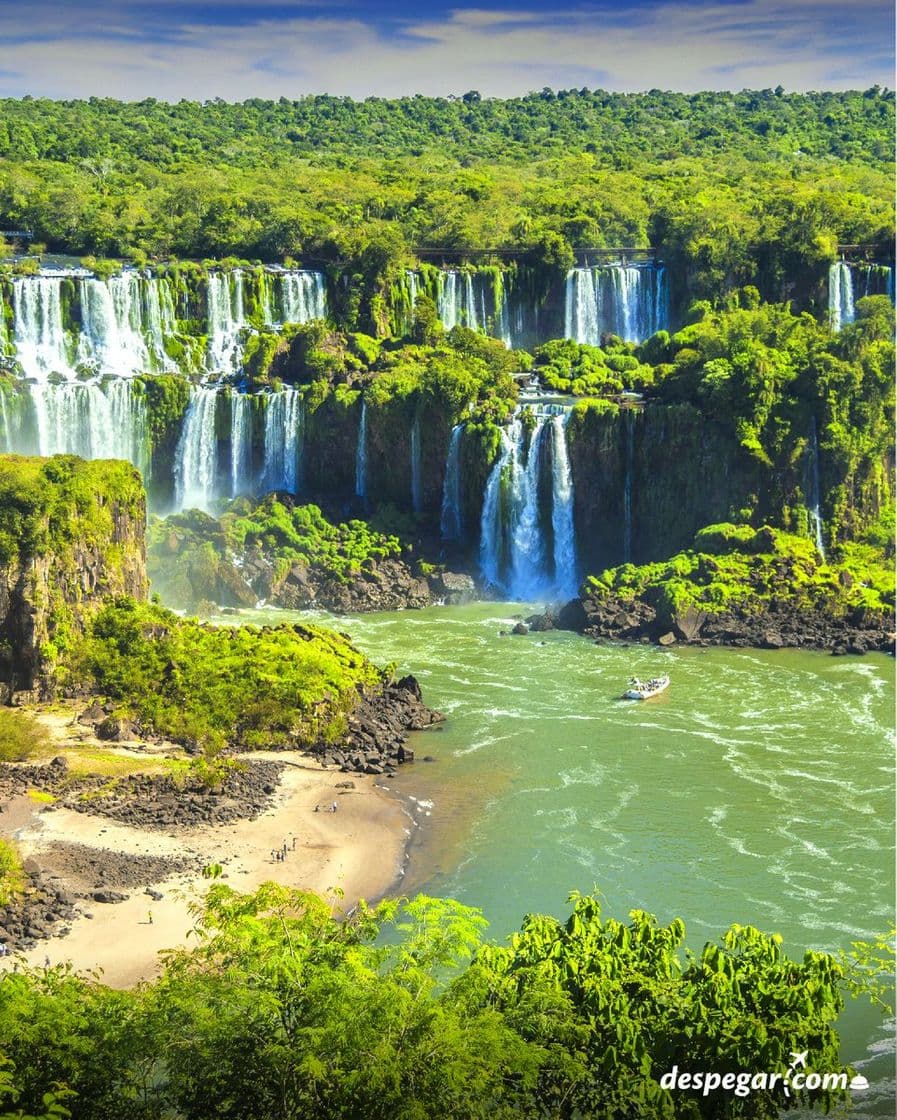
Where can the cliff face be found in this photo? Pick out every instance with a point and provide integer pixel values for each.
(71, 534)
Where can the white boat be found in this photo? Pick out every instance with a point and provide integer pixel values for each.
(644, 690)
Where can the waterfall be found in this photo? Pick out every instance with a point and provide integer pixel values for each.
(40, 339)
(451, 528)
(878, 280)
(502, 317)
(93, 419)
(361, 453)
(562, 523)
(448, 304)
(5, 428)
(491, 521)
(283, 441)
(240, 443)
(112, 327)
(840, 295)
(303, 296)
(813, 489)
(629, 425)
(196, 460)
(413, 288)
(527, 545)
(513, 551)
(625, 300)
(225, 321)
(417, 500)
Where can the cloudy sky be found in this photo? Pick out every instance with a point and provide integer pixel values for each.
(179, 48)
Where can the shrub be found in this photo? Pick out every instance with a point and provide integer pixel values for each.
(21, 736)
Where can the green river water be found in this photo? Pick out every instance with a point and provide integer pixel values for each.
(758, 789)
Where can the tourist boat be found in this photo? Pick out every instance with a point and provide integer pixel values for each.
(644, 690)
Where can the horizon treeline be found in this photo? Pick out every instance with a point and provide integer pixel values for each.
(710, 179)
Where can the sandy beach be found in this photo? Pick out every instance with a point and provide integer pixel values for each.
(359, 849)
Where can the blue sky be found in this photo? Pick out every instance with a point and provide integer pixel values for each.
(176, 48)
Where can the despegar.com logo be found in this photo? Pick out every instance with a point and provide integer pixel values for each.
(743, 1083)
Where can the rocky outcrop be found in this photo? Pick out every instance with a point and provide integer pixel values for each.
(378, 730)
(192, 563)
(42, 910)
(71, 535)
(765, 625)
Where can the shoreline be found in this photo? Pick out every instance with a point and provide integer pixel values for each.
(362, 849)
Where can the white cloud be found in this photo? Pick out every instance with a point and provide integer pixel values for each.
(802, 44)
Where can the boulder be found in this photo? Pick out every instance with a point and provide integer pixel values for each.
(688, 623)
(108, 896)
(668, 639)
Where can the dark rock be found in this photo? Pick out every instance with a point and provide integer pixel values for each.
(687, 624)
(541, 623)
(520, 628)
(107, 896)
(344, 785)
(114, 730)
(93, 714)
(771, 640)
(572, 616)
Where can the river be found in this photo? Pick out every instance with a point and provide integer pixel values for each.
(758, 789)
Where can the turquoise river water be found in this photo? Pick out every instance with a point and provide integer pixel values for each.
(758, 789)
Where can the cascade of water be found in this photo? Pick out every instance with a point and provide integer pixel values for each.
(283, 441)
(471, 319)
(196, 460)
(361, 453)
(491, 520)
(581, 306)
(814, 496)
(502, 317)
(417, 498)
(447, 301)
(562, 523)
(629, 425)
(626, 300)
(451, 528)
(840, 295)
(112, 326)
(528, 577)
(39, 336)
(6, 438)
(94, 419)
(240, 443)
(265, 298)
(303, 296)
(413, 288)
(226, 319)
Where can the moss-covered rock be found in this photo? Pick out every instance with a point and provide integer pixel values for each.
(245, 686)
(71, 534)
(750, 587)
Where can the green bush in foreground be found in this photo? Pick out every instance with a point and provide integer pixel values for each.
(21, 736)
(12, 876)
(194, 682)
(402, 1012)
